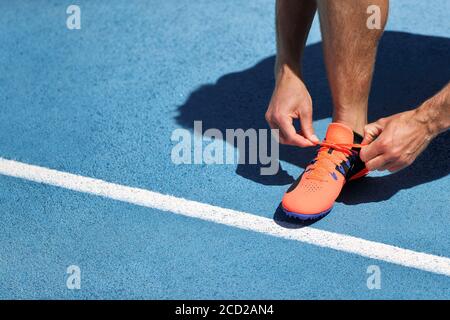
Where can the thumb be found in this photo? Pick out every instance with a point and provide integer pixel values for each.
(372, 131)
(307, 127)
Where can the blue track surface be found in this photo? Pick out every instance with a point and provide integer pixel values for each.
(103, 101)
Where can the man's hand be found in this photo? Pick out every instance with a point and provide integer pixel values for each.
(291, 100)
(396, 141)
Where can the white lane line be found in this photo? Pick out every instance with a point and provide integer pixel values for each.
(233, 218)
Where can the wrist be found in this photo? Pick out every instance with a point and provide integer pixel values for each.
(287, 67)
(428, 115)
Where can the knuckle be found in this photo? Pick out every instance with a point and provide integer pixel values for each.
(396, 154)
(277, 118)
(282, 140)
(403, 161)
(384, 144)
(308, 101)
(288, 140)
(306, 112)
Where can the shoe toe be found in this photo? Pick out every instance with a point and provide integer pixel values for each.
(311, 197)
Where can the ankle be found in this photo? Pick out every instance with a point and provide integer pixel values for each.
(356, 125)
(354, 116)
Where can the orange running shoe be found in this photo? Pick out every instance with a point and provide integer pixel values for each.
(313, 194)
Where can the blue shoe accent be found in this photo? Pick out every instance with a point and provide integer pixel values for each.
(306, 216)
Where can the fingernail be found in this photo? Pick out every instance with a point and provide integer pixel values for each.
(315, 138)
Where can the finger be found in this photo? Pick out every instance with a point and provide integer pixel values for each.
(376, 164)
(371, 151)
(279, 136)
(372, 131)
(394, 168)
(290, 136)
(387, 165)
(307, 127)
(287, 140)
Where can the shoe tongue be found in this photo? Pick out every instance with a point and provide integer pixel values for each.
(339, 133)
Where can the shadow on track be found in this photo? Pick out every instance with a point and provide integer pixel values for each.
(409, 69)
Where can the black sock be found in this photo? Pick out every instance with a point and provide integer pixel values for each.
(357, 138)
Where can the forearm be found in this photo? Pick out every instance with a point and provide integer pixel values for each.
(293, 21)
(435, 112)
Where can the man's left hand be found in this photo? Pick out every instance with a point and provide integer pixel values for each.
(395, 141)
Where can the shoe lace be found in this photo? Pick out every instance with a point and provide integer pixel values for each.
(325, 162)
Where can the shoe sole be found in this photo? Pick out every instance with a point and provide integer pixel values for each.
(303, 216)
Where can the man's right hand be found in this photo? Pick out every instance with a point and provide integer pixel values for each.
(290, 101)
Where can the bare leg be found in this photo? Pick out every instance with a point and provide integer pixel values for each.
(290, 100)
(349, 51)
(293, 21)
